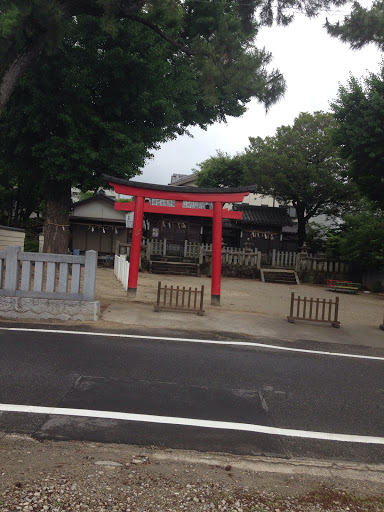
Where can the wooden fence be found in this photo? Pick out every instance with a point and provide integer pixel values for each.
(314, 310)
(47, 276)
(170, 298)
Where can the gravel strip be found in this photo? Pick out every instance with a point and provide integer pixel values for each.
(74, 476)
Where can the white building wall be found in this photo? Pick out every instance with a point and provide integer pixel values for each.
(9, 236)
(260, 200)
(98, 210)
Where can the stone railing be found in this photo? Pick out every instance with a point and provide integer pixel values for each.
(121, 270)
(48, 285)
(309, 262)
(283, 259)
(234, 256)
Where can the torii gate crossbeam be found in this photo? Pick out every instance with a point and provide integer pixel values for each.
(217, 196)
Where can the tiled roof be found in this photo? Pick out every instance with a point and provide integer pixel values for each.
(10, 228)
(263, 215)
(95, 197)
(291, 229)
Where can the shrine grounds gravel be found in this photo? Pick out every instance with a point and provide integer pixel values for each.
(245, 296)
(56, 476)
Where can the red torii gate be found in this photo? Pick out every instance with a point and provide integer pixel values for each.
(217, 196)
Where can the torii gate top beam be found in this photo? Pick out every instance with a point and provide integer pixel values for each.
(138, 189)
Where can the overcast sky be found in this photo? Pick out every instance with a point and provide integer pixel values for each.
(313, 64)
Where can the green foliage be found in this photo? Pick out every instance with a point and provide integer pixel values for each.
(362, 26)
(218, 36)
(31, 242)
(21, 22)
(221, 170)
(317, 236)
(376, 287)
(332, 244)
(101, 104)
(18, 197)
(361, 239)
(298, 166)
(128, 200)
(301, 166)
(360, 132)
(86, 195)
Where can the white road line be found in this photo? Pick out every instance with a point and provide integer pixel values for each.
(191, 340)
(191, 422)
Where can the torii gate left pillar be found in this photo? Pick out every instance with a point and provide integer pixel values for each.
(178, 194)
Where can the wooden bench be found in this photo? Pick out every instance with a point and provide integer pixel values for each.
(343, 286)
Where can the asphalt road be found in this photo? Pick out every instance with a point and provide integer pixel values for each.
(209, 382)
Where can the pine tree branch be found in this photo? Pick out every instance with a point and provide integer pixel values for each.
(162, 34)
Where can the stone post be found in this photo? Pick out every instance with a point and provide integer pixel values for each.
(12, 270)
(90, 275)
(258, 260)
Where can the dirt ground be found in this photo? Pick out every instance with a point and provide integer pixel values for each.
(246, 295)
(70, 476)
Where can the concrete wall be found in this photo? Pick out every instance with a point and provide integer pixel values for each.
(11, 236)
(46, 309)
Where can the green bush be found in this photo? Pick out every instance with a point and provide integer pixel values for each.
(376, 287)
(31, 242)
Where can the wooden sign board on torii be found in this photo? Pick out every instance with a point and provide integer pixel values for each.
(217, 196)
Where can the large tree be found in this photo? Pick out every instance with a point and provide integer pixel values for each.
(299, 165)
(362, 26)
(205, 31)
(102, 102)
(360, 238)
(359, 111)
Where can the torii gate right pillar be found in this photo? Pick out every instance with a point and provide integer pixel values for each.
(217, 237)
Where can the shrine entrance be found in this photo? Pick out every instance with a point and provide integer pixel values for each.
(180, 195)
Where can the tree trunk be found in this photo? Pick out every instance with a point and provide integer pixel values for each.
(56, 227)
(301, 231)
(17, 68)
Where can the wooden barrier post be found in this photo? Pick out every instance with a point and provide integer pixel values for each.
(189, 299)
(301, 313)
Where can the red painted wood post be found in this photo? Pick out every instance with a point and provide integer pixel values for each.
(134, 261)
(217, 234)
